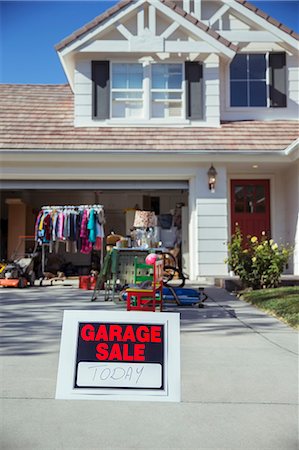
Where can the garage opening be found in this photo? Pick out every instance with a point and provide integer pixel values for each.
(169, 201)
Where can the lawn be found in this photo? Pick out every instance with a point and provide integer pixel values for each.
(282, 303)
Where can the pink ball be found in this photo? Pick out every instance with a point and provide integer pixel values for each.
(151, 258)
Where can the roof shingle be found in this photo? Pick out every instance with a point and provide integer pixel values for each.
(41, 117)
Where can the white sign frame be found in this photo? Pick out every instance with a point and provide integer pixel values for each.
(68, 352)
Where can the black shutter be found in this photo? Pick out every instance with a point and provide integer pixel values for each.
(278, 82)
(100, 90)
(194, 86)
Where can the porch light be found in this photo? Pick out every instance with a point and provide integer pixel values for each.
(212, 173)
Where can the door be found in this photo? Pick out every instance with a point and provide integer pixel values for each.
(250, 206)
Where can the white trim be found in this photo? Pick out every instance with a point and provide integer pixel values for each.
(152, 19)
(95, 185)
(186, 24)
(155, 45)
(292, 147)
(218, 14)
(186, 5)
(263, 23)
(100, 28)
(197, 9)
(140, 21)
(193, 28)
(124, 31)
(264, 155)
(171, 29)
(193, 231)
(249, 36)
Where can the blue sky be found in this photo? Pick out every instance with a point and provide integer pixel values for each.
(30, 29)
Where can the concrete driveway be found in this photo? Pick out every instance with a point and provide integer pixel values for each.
(239, 381)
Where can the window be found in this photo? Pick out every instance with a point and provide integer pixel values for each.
(249, 198)
(258, 80)
(146, 91)
(248, 86)
(127, 90)
(167, 90)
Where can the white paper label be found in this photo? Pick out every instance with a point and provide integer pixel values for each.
(135, 375)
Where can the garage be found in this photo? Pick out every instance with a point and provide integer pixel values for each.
(21, 202)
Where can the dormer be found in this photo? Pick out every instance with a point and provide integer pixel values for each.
(159, 63)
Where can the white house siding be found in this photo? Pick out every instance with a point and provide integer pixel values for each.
(290, 112)
(208, 248)
(291, 186)
(212, 90)
(83, 93)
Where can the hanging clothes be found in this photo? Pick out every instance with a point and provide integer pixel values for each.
(80, 228)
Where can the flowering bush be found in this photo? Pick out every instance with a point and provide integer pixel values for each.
(258, 263)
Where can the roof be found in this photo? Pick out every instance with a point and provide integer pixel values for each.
(269, 19)
(122, 5)
(41, 117)
(171, 4)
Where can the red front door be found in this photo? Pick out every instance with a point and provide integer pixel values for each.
(250, 206)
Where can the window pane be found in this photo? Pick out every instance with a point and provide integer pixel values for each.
(260, 199)
(250, 199)
(158, 76)
(257, 67)
(174, 109)
(127, 76)
(238, 68)
(167, 76)
(238, 93)
(119, 76)
(174, 76)
(166, 96)
(126, 109)
(258, 93)
(166, 104)
(135, 76)
(239, 199)
(122, 95)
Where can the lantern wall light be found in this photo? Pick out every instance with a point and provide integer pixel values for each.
(212, 173)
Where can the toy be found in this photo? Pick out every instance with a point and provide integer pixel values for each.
(151, 258)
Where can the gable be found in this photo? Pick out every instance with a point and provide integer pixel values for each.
(148, 18)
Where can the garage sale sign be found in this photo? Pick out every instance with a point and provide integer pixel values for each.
(119, 356)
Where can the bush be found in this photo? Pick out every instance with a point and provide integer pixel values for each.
(258, 263)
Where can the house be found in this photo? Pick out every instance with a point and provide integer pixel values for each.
(158, 93)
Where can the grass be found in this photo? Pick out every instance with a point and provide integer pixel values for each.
(282, 303)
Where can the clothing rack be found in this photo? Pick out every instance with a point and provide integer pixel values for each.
(96, 207)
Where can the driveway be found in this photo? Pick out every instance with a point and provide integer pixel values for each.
(239, 381)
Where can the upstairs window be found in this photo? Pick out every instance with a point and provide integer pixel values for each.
(127, 90)
(248, 86)
(258, 80)
(167, 90)
(135, 91)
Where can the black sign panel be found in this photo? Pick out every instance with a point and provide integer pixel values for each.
(120, 356)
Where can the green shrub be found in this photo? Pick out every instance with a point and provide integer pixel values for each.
(258, 263)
